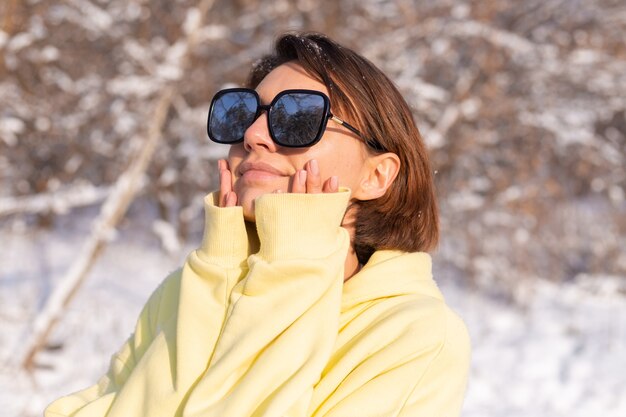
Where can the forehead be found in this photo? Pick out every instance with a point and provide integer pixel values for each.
(287, 77)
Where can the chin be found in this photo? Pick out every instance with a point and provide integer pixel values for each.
(248, 191)
(246, 200)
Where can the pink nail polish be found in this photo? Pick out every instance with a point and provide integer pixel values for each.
(315, 170)
(334, 182)
(302, 177)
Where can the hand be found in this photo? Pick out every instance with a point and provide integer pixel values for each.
(227, 197)
(309, 180)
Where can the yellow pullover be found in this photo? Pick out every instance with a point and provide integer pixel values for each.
(260, 323)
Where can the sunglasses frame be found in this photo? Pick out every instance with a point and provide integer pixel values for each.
(269, 108)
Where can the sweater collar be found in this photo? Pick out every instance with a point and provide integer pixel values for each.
(390, 273)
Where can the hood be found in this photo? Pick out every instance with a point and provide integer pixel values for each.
(390, 273)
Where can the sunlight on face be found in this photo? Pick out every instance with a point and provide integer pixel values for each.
(339, 152)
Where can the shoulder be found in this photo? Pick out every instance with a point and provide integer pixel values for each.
(434, 322)
(441, 356)
(413, 350)
(432, 316)
(163, 302)
(441, 362)
(167, 289)
(428, 327)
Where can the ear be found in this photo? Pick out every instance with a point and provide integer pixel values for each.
(378, 175)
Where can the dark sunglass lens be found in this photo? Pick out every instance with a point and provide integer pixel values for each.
(297, 118)
(232, 113)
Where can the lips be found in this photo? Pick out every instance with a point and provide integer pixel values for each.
(262, 168)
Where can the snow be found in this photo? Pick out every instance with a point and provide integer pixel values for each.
(139, 86)
(10, 127)
(20, 41)
(3, 38)
(559, 354)
(98, 320)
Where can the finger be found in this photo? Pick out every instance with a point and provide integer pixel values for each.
(334, 184)
(313, 180)
(230, 172)
(221, 196)
(225, 186)
(330, 185)
(326, 186)
(224, 164)
(299, 181)
(220, 165)
(231, 199)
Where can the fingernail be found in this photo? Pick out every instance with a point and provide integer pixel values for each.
(302, 177)
(315, 170)
(278, 191)
(334, 182)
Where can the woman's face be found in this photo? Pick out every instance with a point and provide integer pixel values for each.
(268, 167)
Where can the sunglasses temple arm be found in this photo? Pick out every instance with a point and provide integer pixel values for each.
(354, 130)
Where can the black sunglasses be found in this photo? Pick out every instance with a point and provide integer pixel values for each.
(295, 118)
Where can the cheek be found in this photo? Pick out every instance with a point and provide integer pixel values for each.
(235, 156)
(236, 151)
(345, 166)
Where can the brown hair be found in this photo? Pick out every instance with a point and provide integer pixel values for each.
(406, 217)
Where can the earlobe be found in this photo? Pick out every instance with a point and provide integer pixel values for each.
(381, 171)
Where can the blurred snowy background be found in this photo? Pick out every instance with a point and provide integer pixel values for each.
(103, 107)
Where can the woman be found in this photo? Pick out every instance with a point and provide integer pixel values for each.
(311, 293)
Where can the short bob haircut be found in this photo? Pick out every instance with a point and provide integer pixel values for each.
(406, 217)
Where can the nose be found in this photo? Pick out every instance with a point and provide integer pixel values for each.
(257, 136)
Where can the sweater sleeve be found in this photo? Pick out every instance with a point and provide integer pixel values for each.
(204, 282)
(283, 316)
